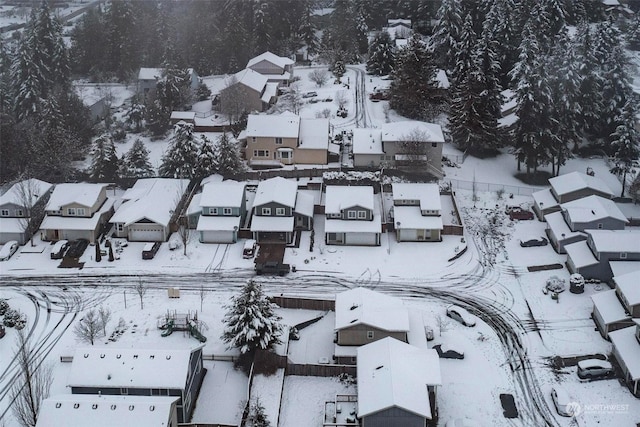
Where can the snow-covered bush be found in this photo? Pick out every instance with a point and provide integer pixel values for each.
(4, 306)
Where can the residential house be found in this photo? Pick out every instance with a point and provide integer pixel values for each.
(398, 144)
(77, 211)
(286, 139)
(628, 290)
(591, 257)
(352, 216)
(278, 210)
(608, 313)
(417, 212)
(626, 351)
(74, 410)
(276, 69)
(588, 213)
(148, 79)
(364, 316)
(140, 372)
(251, 89)
(223, 208)
(397, 384)
(566, 188)
(16, 209)
(398, 28)
(147, 209)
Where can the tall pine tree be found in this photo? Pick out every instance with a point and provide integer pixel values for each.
(181, 158)
(227, 155)
(446, 33)
(104, 160)
(381, 56)
(625, 143)
(136, 162)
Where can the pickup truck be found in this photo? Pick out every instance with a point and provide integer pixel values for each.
(272, 267)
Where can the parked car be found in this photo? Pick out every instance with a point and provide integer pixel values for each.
(562, 401)
(461, 315)
(59, 249)
(520, 214)
(76, 248)
(272, 267)
(379, 95)
(8, 249)
(150, 249)
(533, 241)
(249, 249)
(309, 94)
(594, 368)
(445, 351)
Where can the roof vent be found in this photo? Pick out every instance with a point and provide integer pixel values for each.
(102, 356)
(168, 356)
(58, 405)
(354, 306)
(135, 356)
(354, 321)
(76, 405)
(379, 367)
(592, 212)
(152, 356)
(118, 356)
(86, 355)
(131, 407)
(113, 407)
(152, 408)
(94, 406)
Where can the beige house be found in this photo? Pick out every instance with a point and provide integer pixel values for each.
(76, 211)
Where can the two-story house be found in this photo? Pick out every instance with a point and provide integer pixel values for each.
(223, 208)
(20, 208)
(397, 384)
(591, 257)
(249, 90)
(277, 69)
(398, 28)
(588, 213)
(278, 209)
(626, 351)
(75, 410)
(400, 144)
(76, 211)
(352, 216)
(417, 212)
(147, 209)
(140, 372)
(286, 139)
(566, 188)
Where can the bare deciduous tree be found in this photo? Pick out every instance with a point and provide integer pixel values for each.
(341, 99)
(203, 293)
(28, 192)
(105, 315)
(89, 328)
(233, 100)
(184, 231)
(414, 147)
(141, 290)
(31, 384)
(319, 76)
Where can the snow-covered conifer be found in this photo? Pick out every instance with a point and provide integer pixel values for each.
(136, 161)
(381, 57)
(181, 158)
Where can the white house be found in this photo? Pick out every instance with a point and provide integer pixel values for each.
(417, 212)
(148, 206)
(352, 216)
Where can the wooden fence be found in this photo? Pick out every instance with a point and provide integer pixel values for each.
(308, 370)
(304, 303)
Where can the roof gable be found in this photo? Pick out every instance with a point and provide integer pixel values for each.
(84, 194)
(251, 79)
(222, 194)
(274, 59)
(339, 197)
(276, 190)
(593, 208)
(361, 306)
(30, 187)
(575, 181)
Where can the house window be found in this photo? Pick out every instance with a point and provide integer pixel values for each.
(284, 155)
(331, 236)
(226, 211)
(278, 141)
(623, 255)
(71, 211)
(253, 139)
(213, 211)
(280, 211)
(19, 212)
(362, 214)
(4, 212)
(266, 211)
(260, 153)
(370, 335)
(351, 214)
(599, 226)
(80, 212)
(434, 144)
(381, 157)
(120, 227)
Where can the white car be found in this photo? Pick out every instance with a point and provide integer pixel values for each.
(8, 249)
(461, 315)
(562, 401)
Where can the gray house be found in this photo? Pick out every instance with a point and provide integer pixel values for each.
(17, 206)
(591, 257)
(588, 213)
(628, 290)
(140, 372)
(223, 210)
(397, 384)
(275, 68)
(608, 313)
(352, 216)
(417, 212)
(626, 351)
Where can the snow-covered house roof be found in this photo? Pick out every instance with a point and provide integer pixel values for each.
(399, 22)
(400, 131)
(150, 73)
(623, 267)
(279, 61)
(580, 254)
(278, 190)
(251, 79)
(615, 240)
(363, 306)
(270, 91)
(218, 223)
(609, 307)
(592, 208)
(575, 181)
(629, 285)
(304, 204)
(222, 194)
(626, 344)
(130, 367)
(30, 187)
(314, 134)
(57, 222)
(395, 374)
(152, 198)
(80, 410)
(409, 217)
(285, 125)
(339, 197)
(545, 199)
(428, 195)
(367, 141)
(560, 228)
(84, 194)
(275, 224)
(183, 115)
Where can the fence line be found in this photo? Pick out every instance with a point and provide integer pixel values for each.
(487, 186)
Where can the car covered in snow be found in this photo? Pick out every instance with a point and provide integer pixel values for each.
(533, 241)
(310, 94)
(594, 368)
(562, 401)
(461, 315)
(520, 214)
(59, 249)
(8, 249)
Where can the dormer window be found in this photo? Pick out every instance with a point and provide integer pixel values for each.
(213, 211)
(19, 212)
(266, 211)
(226, 211)
(71, 211)
(351, 215)
(4, 212)
(362, 214)
(279, 211)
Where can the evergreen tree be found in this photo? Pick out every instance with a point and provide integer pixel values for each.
(446, 33)
(590, 93)
(616, 88)
(207, 161)
(123, 55)
(499, 28)
(135, 115)
(251, 322)
(414, 81)
(156, 117)
(104, 160)
(381, 57)
(625, 143)
(338, 69)
(136, 162)
(181, 158)
(227, 156)
(633, 34)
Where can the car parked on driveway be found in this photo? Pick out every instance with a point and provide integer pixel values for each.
(309, 94)
(533, 241)
(520, 214)
(8, 249)
(150, 249)
(562, 401)
(59, 249)
(461, 315)
(594, 368)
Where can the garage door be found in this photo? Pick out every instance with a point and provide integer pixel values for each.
(407, 234)
(368, 239)
(146, 234)
(216, 237)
